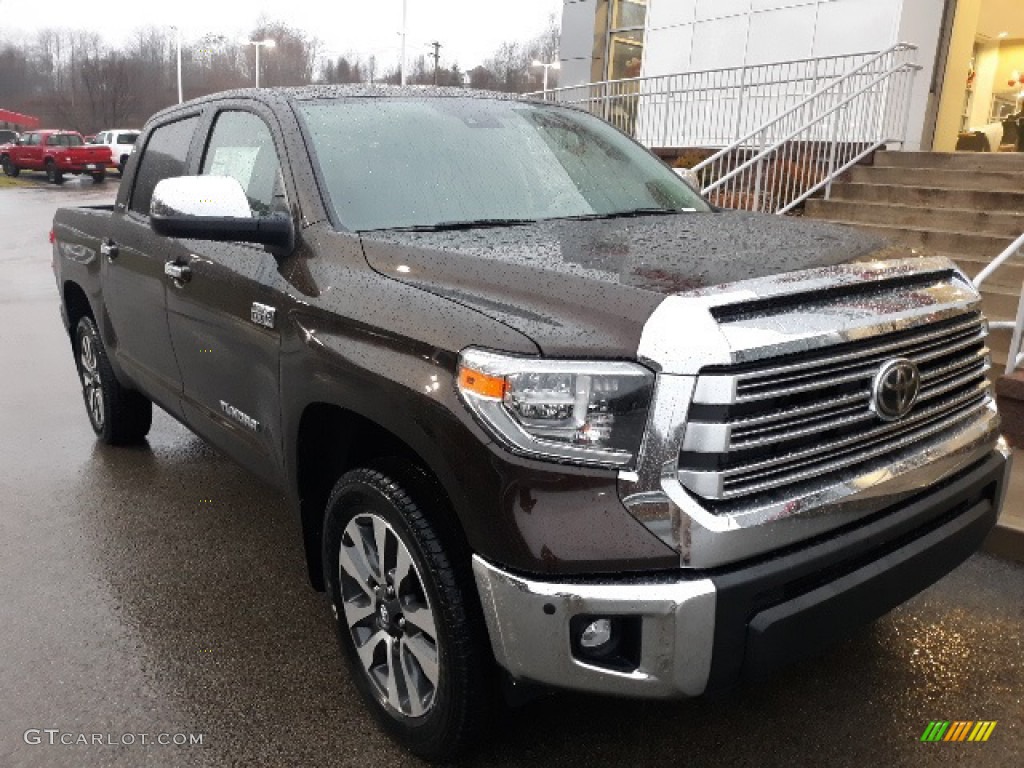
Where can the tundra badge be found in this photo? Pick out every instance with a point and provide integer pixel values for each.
(242, 418)
(262, 314)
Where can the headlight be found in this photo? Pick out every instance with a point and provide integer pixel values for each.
(565, 410)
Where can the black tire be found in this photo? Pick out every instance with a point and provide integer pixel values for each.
(98, 178)
(118, 415)
(53, 175)
(120, 165)
(459, 704)
(10, 169)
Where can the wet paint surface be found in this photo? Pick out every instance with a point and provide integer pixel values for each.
(587, 287)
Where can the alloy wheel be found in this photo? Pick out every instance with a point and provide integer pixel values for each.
(89, 371)
(389, 615)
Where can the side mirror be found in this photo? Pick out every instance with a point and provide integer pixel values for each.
(214, 208)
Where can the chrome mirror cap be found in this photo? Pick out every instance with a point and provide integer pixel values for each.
(200, 196)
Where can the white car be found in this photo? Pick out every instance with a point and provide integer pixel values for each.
(121, 142)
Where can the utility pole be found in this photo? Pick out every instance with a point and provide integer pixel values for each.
(437, 57)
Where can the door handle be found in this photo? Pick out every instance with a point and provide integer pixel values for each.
(180, 272)
(108, 248)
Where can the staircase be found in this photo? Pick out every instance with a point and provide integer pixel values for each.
(968, 206)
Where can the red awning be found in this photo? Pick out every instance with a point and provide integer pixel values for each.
(22, 121)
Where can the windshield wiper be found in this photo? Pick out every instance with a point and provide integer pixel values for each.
(446, 226)
(635, 213)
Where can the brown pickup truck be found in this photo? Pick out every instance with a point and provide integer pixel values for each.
(56, 153)
(546, 419)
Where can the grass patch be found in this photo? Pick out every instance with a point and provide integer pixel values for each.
(7, 181)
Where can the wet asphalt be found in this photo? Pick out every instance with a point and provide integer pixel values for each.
(162, 590)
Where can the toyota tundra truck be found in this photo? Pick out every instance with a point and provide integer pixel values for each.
(546, 418)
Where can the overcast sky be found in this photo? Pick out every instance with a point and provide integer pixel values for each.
(469, 30)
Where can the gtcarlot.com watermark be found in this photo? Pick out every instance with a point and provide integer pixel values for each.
(55, 737)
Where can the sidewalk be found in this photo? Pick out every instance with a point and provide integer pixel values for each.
(1007, 540)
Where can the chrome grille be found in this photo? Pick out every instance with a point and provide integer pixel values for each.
(759, 427)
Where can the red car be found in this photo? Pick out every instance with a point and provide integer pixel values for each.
(56, 153)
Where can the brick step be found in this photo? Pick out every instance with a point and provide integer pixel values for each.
(938, 240)
(989, 181)
(953, 161)
(998, 223)
(930, 196)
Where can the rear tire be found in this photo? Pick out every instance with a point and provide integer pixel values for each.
(406, 611)
(98, 178)
(10, 169)
(53, 175)
(118, 415)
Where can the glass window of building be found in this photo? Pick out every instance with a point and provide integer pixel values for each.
(626, 38)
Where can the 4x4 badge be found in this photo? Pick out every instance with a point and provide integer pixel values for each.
(262, 314)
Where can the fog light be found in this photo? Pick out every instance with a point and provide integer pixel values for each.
(596, 634)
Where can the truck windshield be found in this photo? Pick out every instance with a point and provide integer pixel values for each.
(435, 162)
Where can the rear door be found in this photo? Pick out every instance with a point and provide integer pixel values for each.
(134, 284)
(225, 319)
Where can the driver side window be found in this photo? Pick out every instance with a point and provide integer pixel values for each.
(242, 147)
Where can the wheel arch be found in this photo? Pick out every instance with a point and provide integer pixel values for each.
(332, 440)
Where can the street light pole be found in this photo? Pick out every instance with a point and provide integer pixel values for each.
(405, 18)
(177, 36)
(268, 43)
(551, 65)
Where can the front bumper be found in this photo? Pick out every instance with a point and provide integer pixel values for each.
(706, 631)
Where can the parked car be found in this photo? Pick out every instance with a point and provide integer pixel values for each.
(7, 136)
(57, 153)
(121, 142)
(543, 414)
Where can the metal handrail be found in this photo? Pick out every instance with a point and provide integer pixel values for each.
(805, 148)
(1015, 357)
(704, 108)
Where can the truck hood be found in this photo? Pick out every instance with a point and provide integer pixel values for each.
(586, 288)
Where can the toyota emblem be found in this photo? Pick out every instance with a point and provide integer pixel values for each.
(895, 389)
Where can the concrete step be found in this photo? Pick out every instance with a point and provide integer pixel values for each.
(939, 240)
(988, 181)
(998, 223)
(953, 161)
(933, 197)
(1010, 275)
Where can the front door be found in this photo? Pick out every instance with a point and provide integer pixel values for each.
(225, 317)
(134, 283)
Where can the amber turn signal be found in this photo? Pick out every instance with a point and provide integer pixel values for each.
(481, 384)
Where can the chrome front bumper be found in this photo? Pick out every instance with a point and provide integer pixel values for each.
(707, 631)
(529, 623)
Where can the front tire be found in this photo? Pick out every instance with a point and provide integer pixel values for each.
(53, 174)
(10, 169)
(405, 610)
(117, 415)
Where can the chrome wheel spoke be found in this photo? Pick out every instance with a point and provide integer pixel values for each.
(355, 613)
(403, 565)
(380, 537)
(411, 676)
(394, 669)
(352, 560)
(422, 618)
(425, 654)
(367, 650)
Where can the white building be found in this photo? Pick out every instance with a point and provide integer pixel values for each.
(971, 52)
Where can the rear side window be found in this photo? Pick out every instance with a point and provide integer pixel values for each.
(34, 139)
(126, 138)
(163, 158)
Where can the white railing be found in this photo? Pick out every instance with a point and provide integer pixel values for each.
(804, 149)
(709, 108)
(1015, 357)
